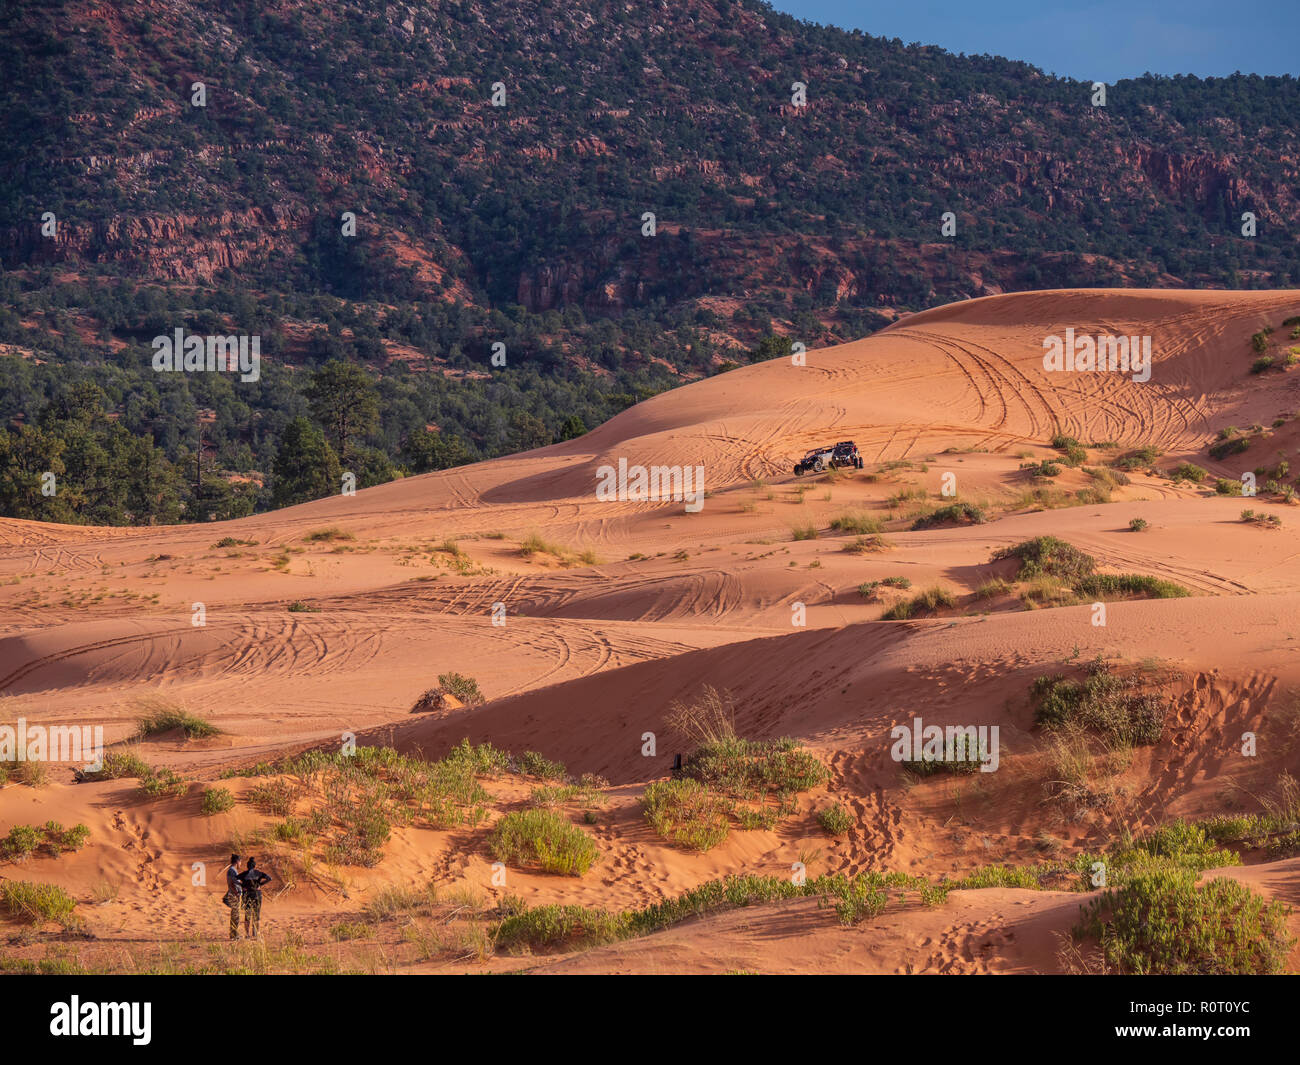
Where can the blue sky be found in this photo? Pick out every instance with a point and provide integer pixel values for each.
(1093, 40)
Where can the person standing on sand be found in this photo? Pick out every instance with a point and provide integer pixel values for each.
(252, 879)
(234, 893)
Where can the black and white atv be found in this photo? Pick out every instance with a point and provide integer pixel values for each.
(815, 461)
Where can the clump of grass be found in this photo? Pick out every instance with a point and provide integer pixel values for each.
(1163, 923)
(543, 839)
(835, 819)
(992, 589)
(161, 717)
(327, 535)
(860, 524)
(864, 545)
(230, 541)
(216, 801)
(710, 718)
(1103, 702)
(804, 532)
(687, 813)
(853, 899)
(299, 607)
(930, 601)
(117, 765)
(534, 544)
(1137, 525)
(1134, 585)
(274, 796)
(953, 514)
(536, 765)
(1105, 479)
(36, 903)
(345, 931)
(160, 783)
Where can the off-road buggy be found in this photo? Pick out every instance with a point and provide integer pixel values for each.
(837, 456)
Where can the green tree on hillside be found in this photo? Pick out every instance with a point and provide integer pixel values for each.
(345, 401)
(306, 468)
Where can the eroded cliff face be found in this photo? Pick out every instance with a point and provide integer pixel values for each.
(184, 247)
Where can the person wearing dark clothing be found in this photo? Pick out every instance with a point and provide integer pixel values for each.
(234, 894)
(252, 880)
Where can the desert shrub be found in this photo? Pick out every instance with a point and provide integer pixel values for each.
(1188, 471)
(864, 545)
(1106, 479)
(1040, 470)
(1046, 556)
(927, 602)
(686, 813)
(1258, 517)
(1225, 486)
(1103, 703)
(464, 688)
(22, 842)
(328, 535)
(119, 764)
(36, 903)
(1137, 525)
(482, 759)
(1263, 363)
(535, 765)
(857, 523)
(158, 783)
(216, 801)
(1163, 923)
(804, 532)
(835, 819)
(749, 769)
(961, 753)
(953, 514)
(1229, 446)
(543, 839)
(1139, 458)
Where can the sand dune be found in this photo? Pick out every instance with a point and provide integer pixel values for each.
(581, 650)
